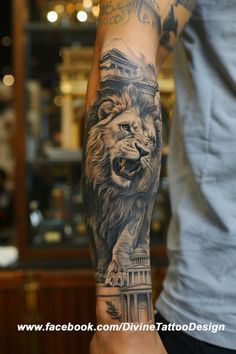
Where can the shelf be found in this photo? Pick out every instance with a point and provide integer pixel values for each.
(54, 36)
(62, 245)
(47, 264)
(44, 27)
(45, 161)
(38, 49)
(58, 156)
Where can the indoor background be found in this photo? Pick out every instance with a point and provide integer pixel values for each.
(45, 269)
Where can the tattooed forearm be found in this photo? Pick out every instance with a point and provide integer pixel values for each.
(120, 12)
(121, 174)
(147, 12)
(170, 27)
(123, 150)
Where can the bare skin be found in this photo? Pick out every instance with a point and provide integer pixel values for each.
(130, 343)
(122, 158)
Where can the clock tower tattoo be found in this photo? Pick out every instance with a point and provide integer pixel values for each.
(120, 179)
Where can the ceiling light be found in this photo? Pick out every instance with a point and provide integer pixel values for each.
(59, 8)
(59, 101)
(8, 80)
(70, 8)
(52, 16)
(82, 16)
(6, 41)
(87, 4)
(95, 10)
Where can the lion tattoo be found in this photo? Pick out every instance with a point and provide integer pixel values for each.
(121, 173)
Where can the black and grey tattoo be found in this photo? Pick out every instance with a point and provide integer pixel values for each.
(147, 12)
(170, 25)
(121, 175)
(188, 4)
(113, 311)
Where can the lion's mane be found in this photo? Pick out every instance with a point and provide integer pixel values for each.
(109, 204)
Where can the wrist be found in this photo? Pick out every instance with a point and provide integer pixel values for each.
(116, 305)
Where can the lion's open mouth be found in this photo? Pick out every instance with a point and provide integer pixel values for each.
(126, 167)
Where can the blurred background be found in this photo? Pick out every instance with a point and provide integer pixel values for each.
(45, 271)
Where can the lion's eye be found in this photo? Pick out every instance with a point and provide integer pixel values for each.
(125, 127)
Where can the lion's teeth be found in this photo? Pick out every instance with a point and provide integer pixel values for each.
(131, 173)
(121, 163)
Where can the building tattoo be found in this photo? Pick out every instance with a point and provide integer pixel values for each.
(120, 179)
(119, 71)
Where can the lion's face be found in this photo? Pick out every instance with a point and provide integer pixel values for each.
(130, 143)
(123, 146)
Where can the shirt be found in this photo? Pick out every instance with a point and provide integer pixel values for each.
(200, 285)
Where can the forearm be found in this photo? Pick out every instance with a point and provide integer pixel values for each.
(122, 155)
(173, 22)
(121, 169)
(167, 18)
(122, 161)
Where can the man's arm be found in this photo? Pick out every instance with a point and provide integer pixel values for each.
(173, 21)
(122, 159)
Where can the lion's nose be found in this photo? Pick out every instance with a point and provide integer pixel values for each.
(141, 150)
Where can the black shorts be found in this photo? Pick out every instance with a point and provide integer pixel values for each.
(178, 342)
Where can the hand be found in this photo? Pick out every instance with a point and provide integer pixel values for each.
(131, 342)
